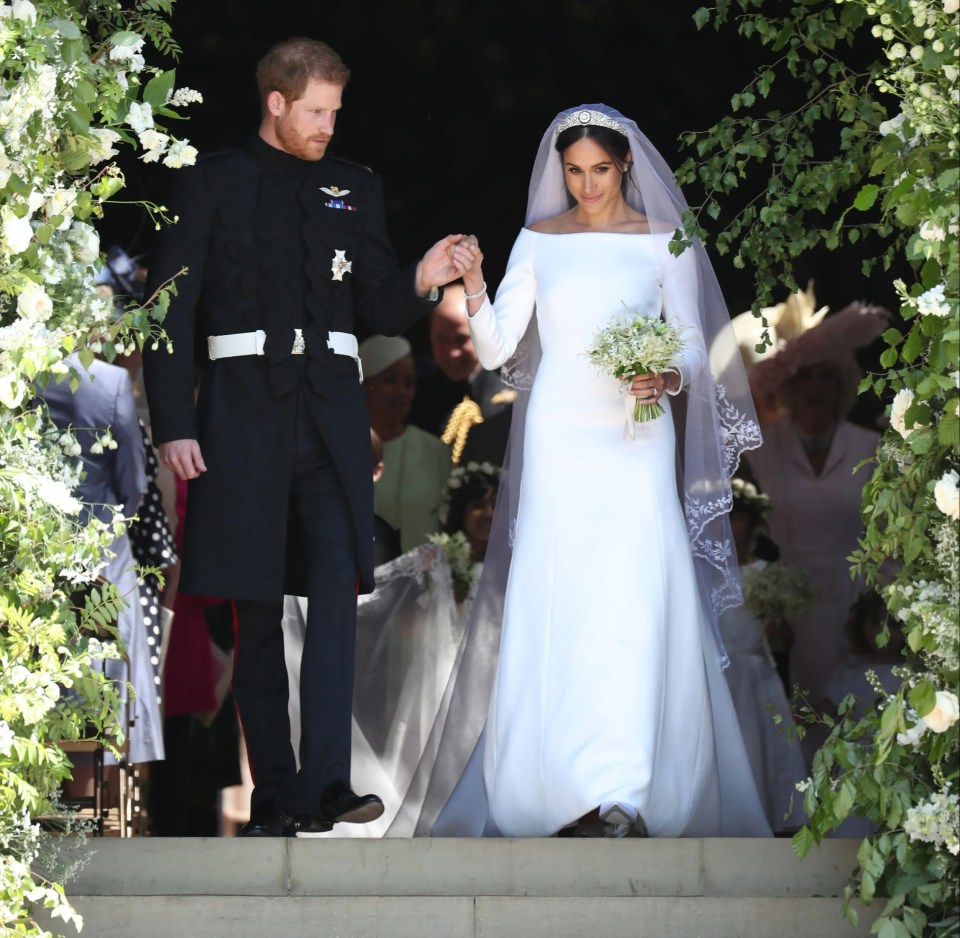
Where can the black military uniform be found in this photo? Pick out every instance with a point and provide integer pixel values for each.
(296, 250)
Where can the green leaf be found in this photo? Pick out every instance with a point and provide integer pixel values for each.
(888, 357)
(912, 347)
(72, 50)
(85, 92)
(866, 197)
(78, 120)
(948, 433)
(923, 697)
(159, 88)
(802, 841)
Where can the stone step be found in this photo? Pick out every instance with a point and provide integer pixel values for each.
(451, 888)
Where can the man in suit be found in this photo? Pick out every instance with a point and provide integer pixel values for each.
(285, 248)
(455, 395)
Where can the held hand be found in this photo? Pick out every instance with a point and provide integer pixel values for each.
(437, 266)
(468, 259)
(183, 458)
(650, 388)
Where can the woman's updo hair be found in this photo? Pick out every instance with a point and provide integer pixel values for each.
(613, 143)
(466, 484)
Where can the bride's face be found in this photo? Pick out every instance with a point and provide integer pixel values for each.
(592, 176)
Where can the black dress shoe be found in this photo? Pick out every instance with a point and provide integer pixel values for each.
(307, 825)
(278, 826)
(267, 820)
(339, 802)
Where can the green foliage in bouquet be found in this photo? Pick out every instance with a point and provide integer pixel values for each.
(638, 346)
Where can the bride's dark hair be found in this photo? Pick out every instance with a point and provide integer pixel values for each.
(614, 144)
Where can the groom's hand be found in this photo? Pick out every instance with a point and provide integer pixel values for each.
(437, 266)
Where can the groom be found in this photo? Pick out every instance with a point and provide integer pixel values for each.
(285, 247)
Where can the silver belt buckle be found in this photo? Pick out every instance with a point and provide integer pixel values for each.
(299, 346)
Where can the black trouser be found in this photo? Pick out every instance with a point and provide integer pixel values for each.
(326, 669)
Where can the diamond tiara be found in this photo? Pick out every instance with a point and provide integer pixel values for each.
(588, 117)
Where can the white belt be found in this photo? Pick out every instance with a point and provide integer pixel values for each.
(251, 343)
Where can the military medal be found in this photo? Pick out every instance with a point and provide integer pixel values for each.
(337, 200)
(341, 265)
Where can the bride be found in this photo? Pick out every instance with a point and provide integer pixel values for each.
(607, 699)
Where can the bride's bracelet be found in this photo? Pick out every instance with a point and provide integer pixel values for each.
(478, 294)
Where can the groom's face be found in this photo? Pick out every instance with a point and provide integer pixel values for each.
(304, 127)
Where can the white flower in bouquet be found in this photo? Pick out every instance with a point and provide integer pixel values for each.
(934, 302)
(33, 304)
(84, 243)
(936, 821)
(898, 411)
(184, 96)
(6, 168)
(946, 494)
(180, 154)
(60, 202)
(100, 144)
(126, 47)
(24, 11)
(12, 391)
(15, 233)
(140, 117)
(776, 592)
(945, 712)
(912, 736)
(154, 143)
(643, 345)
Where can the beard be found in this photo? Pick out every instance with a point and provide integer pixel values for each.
(296, 144)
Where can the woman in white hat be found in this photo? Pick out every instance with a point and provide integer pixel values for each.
(415, 463)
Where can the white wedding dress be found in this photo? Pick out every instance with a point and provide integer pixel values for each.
(608, 686)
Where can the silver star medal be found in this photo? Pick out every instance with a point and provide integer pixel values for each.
(341, 265)
(336, 192)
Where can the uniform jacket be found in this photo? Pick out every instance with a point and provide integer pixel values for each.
(269, 242)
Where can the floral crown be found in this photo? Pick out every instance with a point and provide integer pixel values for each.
(586, 117)
(746, 496)
(484, 473)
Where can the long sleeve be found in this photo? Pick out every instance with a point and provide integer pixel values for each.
(498, 328)
(681, 291)
(385, 296)
(169, 377)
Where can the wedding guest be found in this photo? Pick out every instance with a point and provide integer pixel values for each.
(457, 395)
(286, 248)
(467, 503)
(763, 710)
(101, 414)
(416, 463)
(808, 466)
(608, 700)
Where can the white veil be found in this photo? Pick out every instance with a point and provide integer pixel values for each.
(715, 427)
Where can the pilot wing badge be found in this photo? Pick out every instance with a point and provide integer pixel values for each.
(337, 198)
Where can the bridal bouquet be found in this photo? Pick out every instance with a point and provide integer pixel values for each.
(643, 345)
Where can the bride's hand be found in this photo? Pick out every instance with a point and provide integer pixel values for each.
(651, 387)
(468, 259)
